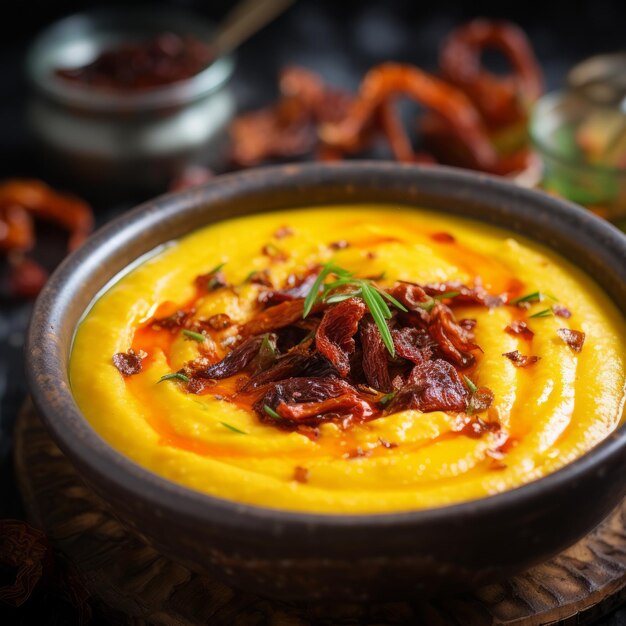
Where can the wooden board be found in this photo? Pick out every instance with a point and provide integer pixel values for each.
(127, 577)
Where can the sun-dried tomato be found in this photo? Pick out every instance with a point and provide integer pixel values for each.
(274, 317)
(453, 340)
(233, 362)
(464, 294)
(335, 334)
(375, 363)
(412, 344)
(347, 403)
(299, 287)
(432, 386)
(573, 338)
(303, 395)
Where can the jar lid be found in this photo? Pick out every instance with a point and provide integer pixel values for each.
(601, 79)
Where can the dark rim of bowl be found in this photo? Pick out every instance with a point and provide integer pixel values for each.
(205, 82)
(74, 435)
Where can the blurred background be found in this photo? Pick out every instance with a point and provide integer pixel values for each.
(339, 39)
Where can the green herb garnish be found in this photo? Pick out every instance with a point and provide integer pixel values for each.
(266, 355)
(270, 411)
(249, 276)
(535, 296)
(470, 384)
(217, 268)
(447, 294)
(387, 398)
(174, 376)
(376, 299)
(199, 337)
(544, 313)
(430, 303)
(235, 430)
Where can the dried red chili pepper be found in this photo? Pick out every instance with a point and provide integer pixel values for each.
(390, 80)
(501, 100)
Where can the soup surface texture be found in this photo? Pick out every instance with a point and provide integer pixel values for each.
(505, 362)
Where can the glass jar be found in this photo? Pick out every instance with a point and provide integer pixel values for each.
(580, 135)
(125, 140)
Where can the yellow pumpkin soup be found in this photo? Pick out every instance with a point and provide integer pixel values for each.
(352, 360)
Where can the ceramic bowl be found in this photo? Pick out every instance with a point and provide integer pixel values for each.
(300, 555)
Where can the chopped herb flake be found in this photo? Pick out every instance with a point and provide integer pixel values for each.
(270, 411)
(543, 313)
(174, 376)
(199, 337)
(535, 296)
(235, 430)
(470, 384)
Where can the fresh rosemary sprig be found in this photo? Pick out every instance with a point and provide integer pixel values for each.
(199, 337)
(174, 376)
(387, 398)
(270, 411)
(376, 299)
(535, 296)
(429, 304)
(235, 430)
(470, 384)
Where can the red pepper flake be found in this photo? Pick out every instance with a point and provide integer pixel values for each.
(573, 338)
(371, 255)
(560, 311)
(342, 244)
(220, 321)
(172, 322)
(210, 281)
(283, 231)
(521, 360)
(129, 363)
(518, 327)
(387, 444)
(301, 474)
(443, 238)
(261, 278)
(274, 253)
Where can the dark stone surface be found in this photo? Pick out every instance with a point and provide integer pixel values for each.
(339, 39)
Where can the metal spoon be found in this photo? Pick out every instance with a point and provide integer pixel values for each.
(244, 20)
